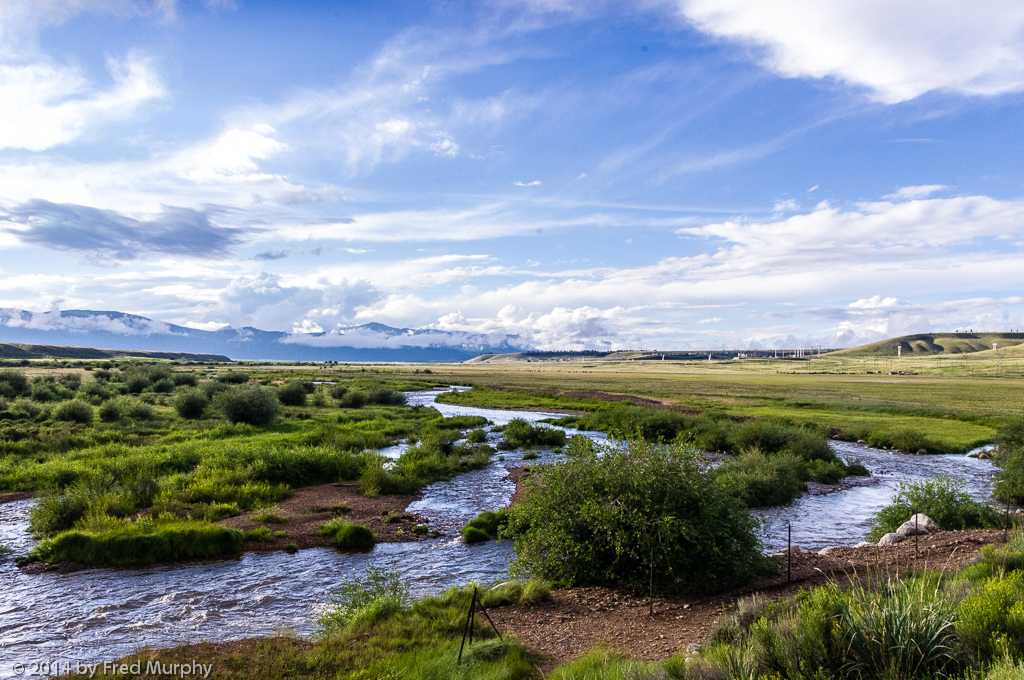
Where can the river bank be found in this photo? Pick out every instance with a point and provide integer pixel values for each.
(105, 614)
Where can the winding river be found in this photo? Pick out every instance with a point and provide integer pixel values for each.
(101, 614)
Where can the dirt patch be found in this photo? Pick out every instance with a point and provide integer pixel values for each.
(518, 475)
(573, 621)
(311, 506)
(11, 496)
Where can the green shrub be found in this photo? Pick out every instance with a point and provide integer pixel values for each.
(292, 394)
(13, 383)
(347, 535)
(943, 499)
(462, 422)
(44, 392)
(474, 535)
(485, 526)
(337, 391)
(991, 622)
(191, 403)
(352, 400)
(140, 542)
(233, 378)
(251, 405)
(162, 386)
(291, 548)
(74, 411)
(520, 434)
(477, 436)
(602, 519)
(759, 480)
(185, 380)
(827, 473)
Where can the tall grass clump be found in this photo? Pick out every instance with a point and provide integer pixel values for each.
(899, 630)
(634, 511)
(942, 498)
(378, 587)
(143, 541)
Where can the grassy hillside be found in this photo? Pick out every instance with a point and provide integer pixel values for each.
(12, 350)
(927, 344)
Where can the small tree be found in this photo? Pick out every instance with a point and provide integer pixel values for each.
(253, 405)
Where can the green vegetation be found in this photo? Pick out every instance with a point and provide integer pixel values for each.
(269, 515)
(163, 452)
(485, 526)
(519, 434)
(105, 541)
(632, 514)
(348, 535)
(477, 436)
(1009, 481)
(943, 499)
(922, 627)
(191, 403)
(251, 405)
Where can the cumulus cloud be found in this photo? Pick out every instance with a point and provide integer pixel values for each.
(108, 235)
(896, 49)
(272, 302)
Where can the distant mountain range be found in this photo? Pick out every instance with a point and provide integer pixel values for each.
(369, 342)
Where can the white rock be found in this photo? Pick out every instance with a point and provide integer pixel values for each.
(865, 544)
(827, 551)
(889, 539)
(918, 525)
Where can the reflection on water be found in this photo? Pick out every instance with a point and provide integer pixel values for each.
(101, 614)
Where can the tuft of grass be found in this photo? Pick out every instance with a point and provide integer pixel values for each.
(348, 535)
(269, 515)
(261, 534)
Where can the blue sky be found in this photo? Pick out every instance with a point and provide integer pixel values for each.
(654, 174)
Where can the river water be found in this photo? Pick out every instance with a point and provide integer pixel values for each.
(102, 614)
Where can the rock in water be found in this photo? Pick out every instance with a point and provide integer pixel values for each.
(918, 525)
(890, 539)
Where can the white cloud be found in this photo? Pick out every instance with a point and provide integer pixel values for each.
(915, 192)
(896, 49)
(534, 183)
(48, 105)
(231, 155)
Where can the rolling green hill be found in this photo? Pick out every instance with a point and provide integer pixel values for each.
(927, 344)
